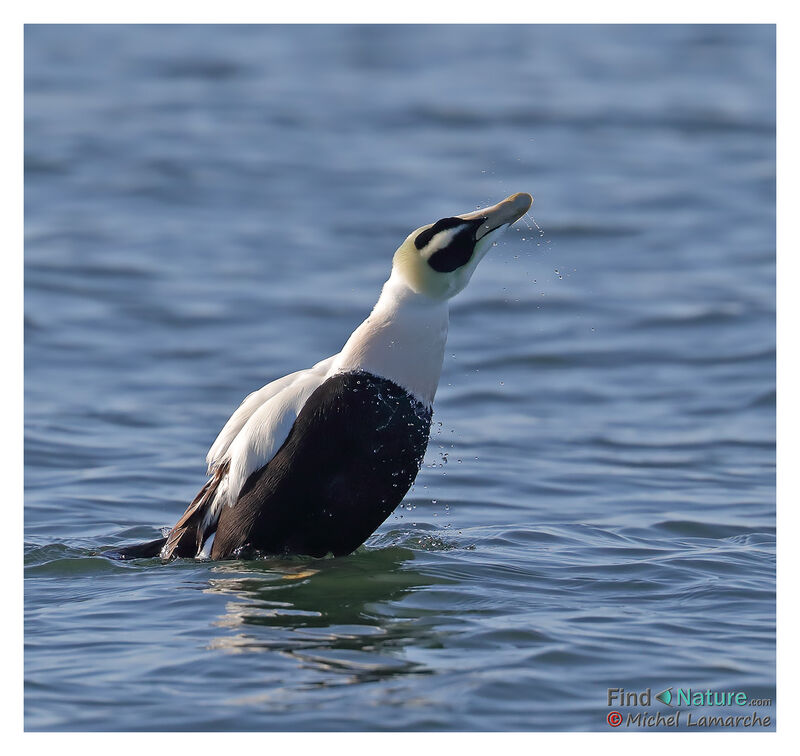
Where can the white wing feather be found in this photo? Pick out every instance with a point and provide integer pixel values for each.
(217, 454)
(265, 431)
(256, 431)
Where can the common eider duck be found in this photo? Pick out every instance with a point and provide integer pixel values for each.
(314, 462)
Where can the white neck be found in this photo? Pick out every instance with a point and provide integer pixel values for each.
(403, 339)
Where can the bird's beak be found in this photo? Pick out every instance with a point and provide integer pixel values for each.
(506, 212)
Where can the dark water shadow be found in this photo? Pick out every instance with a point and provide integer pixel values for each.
(338, 619)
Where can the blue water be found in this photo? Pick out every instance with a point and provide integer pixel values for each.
(208, 208)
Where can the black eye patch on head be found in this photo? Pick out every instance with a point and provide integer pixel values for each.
(424, 237)
(458, 251)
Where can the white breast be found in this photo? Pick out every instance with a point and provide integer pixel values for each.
(403, 340)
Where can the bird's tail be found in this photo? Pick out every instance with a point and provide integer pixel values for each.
(146, 550)
(188, 534)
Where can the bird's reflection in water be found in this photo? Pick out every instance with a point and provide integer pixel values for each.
(338, 620)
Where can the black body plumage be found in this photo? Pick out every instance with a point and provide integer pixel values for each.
(348, 461)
